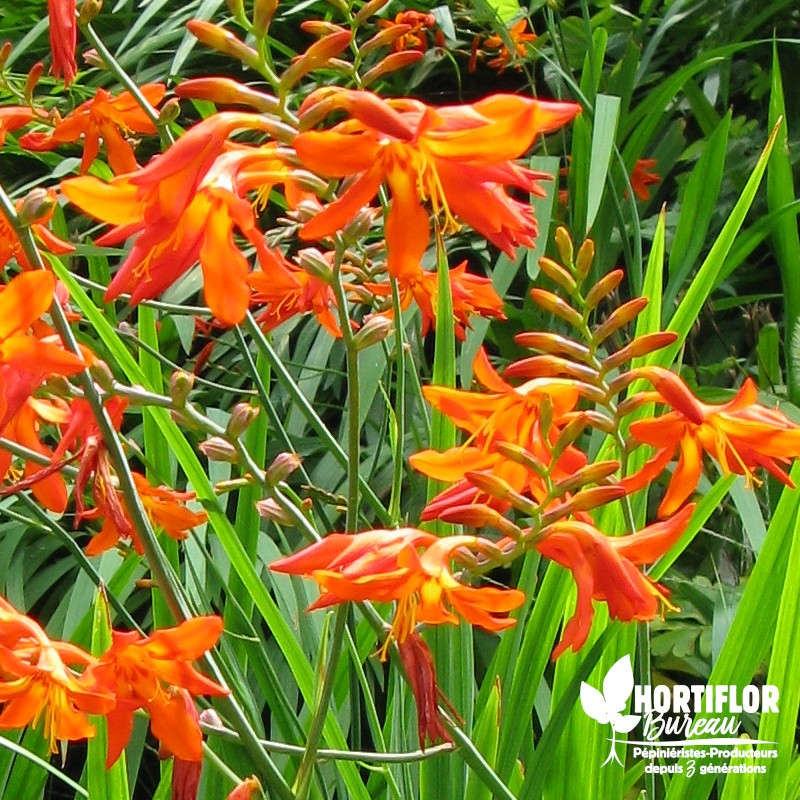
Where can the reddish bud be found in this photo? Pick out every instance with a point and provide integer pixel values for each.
(603, 287)
(619, 318)
(555, 305)
(391, 63)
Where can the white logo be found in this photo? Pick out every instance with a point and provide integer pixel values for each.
(704, 721)
(608, 706)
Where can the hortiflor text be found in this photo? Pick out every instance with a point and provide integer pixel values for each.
(709, 699)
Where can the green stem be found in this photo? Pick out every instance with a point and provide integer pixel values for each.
(399, 405)
(305, 771)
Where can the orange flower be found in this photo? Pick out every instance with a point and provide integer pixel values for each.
(604, 568)
(741, 435)
(149, 672)
(182, 208)
(472, 294)
(385, 566)
(641, 178)
(504, 414)
(13, 117)
(520, 41)
(416, 37)
(457, 157)
(38, 682)
(11, 247)
(287, 291)
(63, 38)
(102, 117)
(47, 484)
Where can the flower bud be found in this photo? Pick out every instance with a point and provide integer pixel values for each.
(223, 41)
(564, 245)
(553, 343)
(102, 375)
(226, 91)
(315, 263)
(591, 473)
(30, 82)
(241, 418)
(319, 54)
(263, 12)
(5, 52)
(548, 366)
(94, 59)
(391, 63)
(619, 318)
(367, 10)
(501, 490)
(374, 330)
(36, 207)
(282, 466)
(477, 515)
(210, 718)
(558, 274)
(519, 455)
(180, 385)
(170, 111)
(641, 346)
(270, 510)
(583, 263)
(603, 287)
(385, 37)
(555, 305)
(216, 448)
(89, 10)
(361, 223)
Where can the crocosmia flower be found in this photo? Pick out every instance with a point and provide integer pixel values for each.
(102, 117)
(605, 569)
(149, 672)
(741, 435)
(456, 158)
(408, 566)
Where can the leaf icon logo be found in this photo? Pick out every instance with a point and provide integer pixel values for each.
(607, 706)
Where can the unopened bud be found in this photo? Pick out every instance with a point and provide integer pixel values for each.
(558, 274)
(320, 27)
(392, 63)
(216, 448)
(374, 330)
(89, 10)
(223, 41)
(180, 386)
(5, 52)
(306, 210)
(477, 515)
(640, 346)
(385, 37)
(516, 453)
(361, 223)
(619, 318)
(501, 490)
(592, 473)
(315, 263)
(283, 465)
(37, 206)
(548, 366)
(241, 418)
(228, 92)
(94, 59)
(210, 718)
(319, 54)
(263, 12)
(555, 305)
(603, 287)
(170, 111)
(583, 263)
(564, 245)
(269, 509)
(549, 342)
(30, 82)
(102, 375)
(367, 10)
